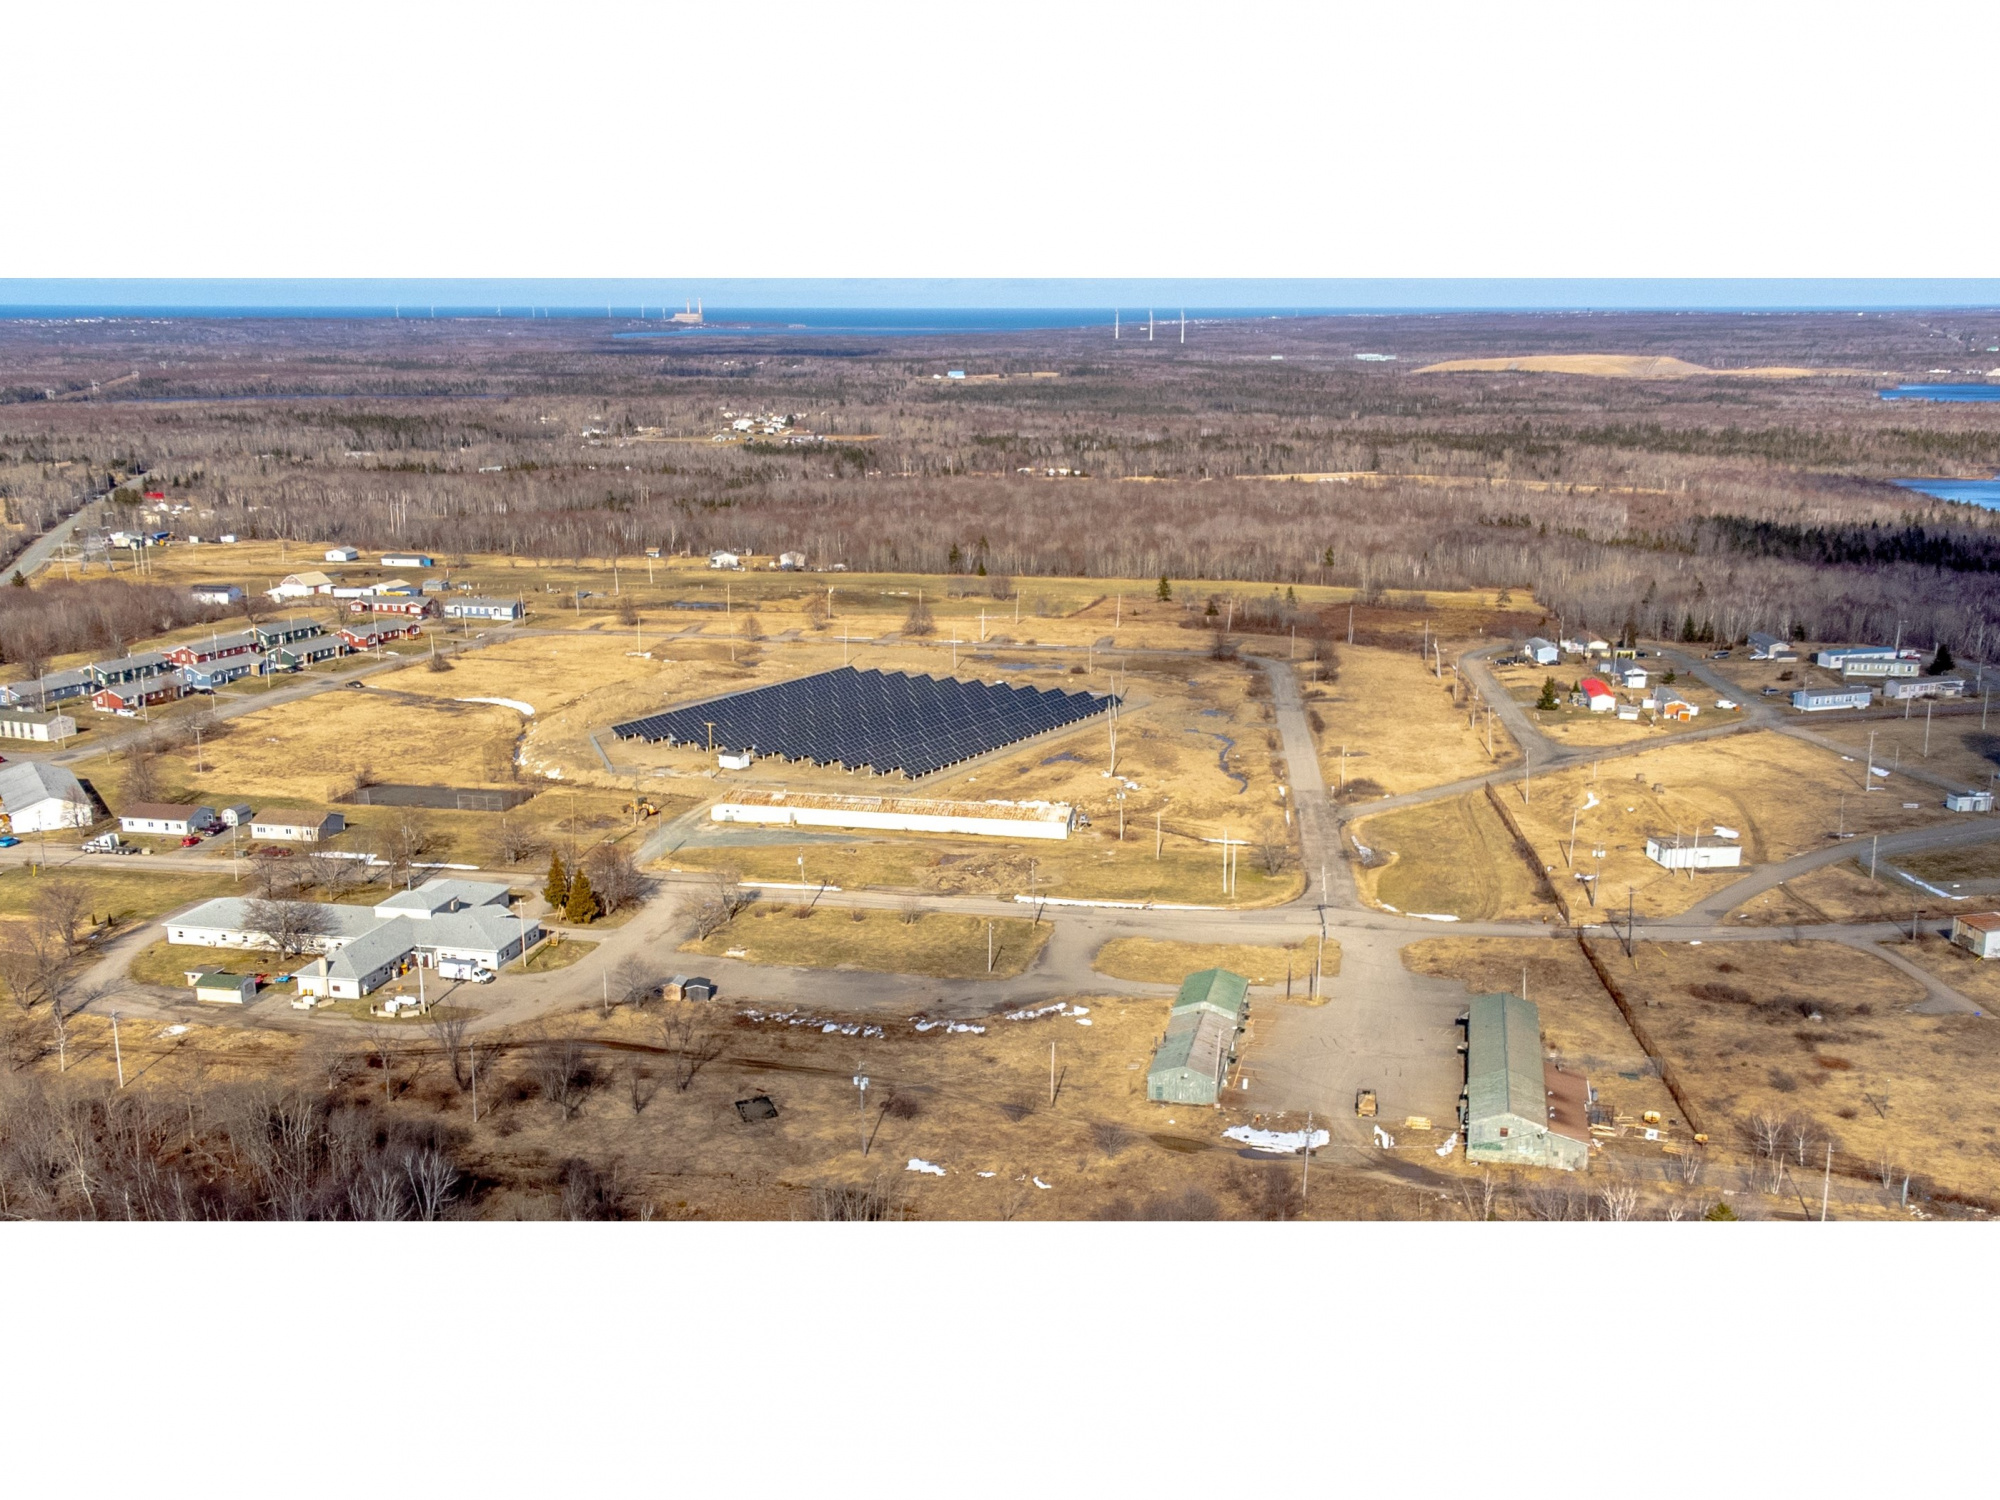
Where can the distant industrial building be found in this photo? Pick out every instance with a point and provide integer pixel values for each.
(1672, 851)
(1516, 1107)
(1821, 700)
(1008, 820)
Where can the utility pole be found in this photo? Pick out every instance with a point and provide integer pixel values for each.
(1826, 1183)
(116, 1051)
(1927, 732)
(1305, 1172)
(989, 947)
(861, 1083)
(1052, 1072)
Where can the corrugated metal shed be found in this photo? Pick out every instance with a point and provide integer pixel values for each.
(1216, 990)
(1192, 1058)
(1507, 1090)
(1503, 1068)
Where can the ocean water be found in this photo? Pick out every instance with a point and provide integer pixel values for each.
(1942, 393)
(1984, 493)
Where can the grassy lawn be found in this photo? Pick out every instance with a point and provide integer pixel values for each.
(1450, 857)
(938, 945)
(128, 895)
(1153, 961)
(170, 963)
(555, 954)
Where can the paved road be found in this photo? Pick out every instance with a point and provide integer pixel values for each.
(43, 549)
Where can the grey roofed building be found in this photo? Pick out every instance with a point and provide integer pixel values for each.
(53, 688)
(1506, 1104)
(443, 893)
(1771, 647)
(37, 796)
(479, 608)
(1192, 1059)
(129, 668)
(225, 923)
(278, 632)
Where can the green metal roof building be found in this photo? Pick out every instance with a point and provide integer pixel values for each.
(1506, 1104)
(1217, 991)
(1193, 1058)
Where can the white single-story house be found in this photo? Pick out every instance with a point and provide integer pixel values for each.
(37, 797)
(1635, 678)
(1767, 647)
(725, 559)
(1923, 687)
(1675, 852)
(217, 593)
(362, 949)
(27, 724)
(286, 826)
(342, 555)
(1978, 931)
(1821, 700)
(301, 585)
(1542, 653)
(476, 608)
(171, 819)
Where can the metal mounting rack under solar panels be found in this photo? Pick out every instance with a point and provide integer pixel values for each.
(871, 720)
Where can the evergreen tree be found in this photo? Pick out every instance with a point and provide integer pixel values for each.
(583, 908)
(555, 890)
(1688, 629)
(1548, 698)
(1942, 662)
(1722, 1213)
(1166, 588)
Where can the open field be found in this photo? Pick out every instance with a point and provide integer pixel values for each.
(1157, 961)
(1452, 857)
(1842, 893)
(1617, 367)
(559, 952)
(115, 895)
(1961, 752)
(939, 945)
(1978, 979)
(977, 1104)
(1389, 726)
(1815, 1032)
(170, 964)
(1783, 796)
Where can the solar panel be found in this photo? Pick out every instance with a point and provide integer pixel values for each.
(871, 720)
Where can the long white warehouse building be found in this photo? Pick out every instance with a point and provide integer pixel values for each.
(1009, 820)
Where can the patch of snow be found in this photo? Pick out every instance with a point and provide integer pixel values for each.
(948, 1026)
(1041, 1184)
(1289, 1142)
(175, 1031)
(1591, 803)
(1726, 833)
(1383, 1138)
(1433, 916)
(930, 1168)
(1084, 1021)
(984, 1174)
(1450, 1145)
(526, 708)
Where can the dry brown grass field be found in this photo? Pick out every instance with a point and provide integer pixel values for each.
(977, 1104)
(1398, 726)
(1978, 979)
(1960, 751)
(1452, 857)
(1158, 961)
(1893, 1091)
(1783, 796)
(1842, 893)
(940, 945)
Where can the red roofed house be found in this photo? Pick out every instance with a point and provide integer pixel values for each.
(1599, 696)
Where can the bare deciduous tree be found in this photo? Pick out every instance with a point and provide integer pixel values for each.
(691, 1042)
(614, 877)
(292, 927)
(561, 1069)
(447, 1026)
(64, 906)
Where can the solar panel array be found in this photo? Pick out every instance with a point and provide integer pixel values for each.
(879, 721)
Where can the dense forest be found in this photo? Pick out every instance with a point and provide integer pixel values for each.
(1745, 502)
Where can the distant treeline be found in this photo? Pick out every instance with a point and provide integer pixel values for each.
(1958, 551)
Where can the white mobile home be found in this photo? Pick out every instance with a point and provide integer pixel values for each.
(166, 818)
(1011, 820)
(284, 826)
(1674, 852)
(1542, 653)
(1821, 700)
(1978, 932)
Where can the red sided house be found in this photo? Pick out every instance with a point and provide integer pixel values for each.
(377, 632)
(390, 604)
(215, 648)
(130, 697)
